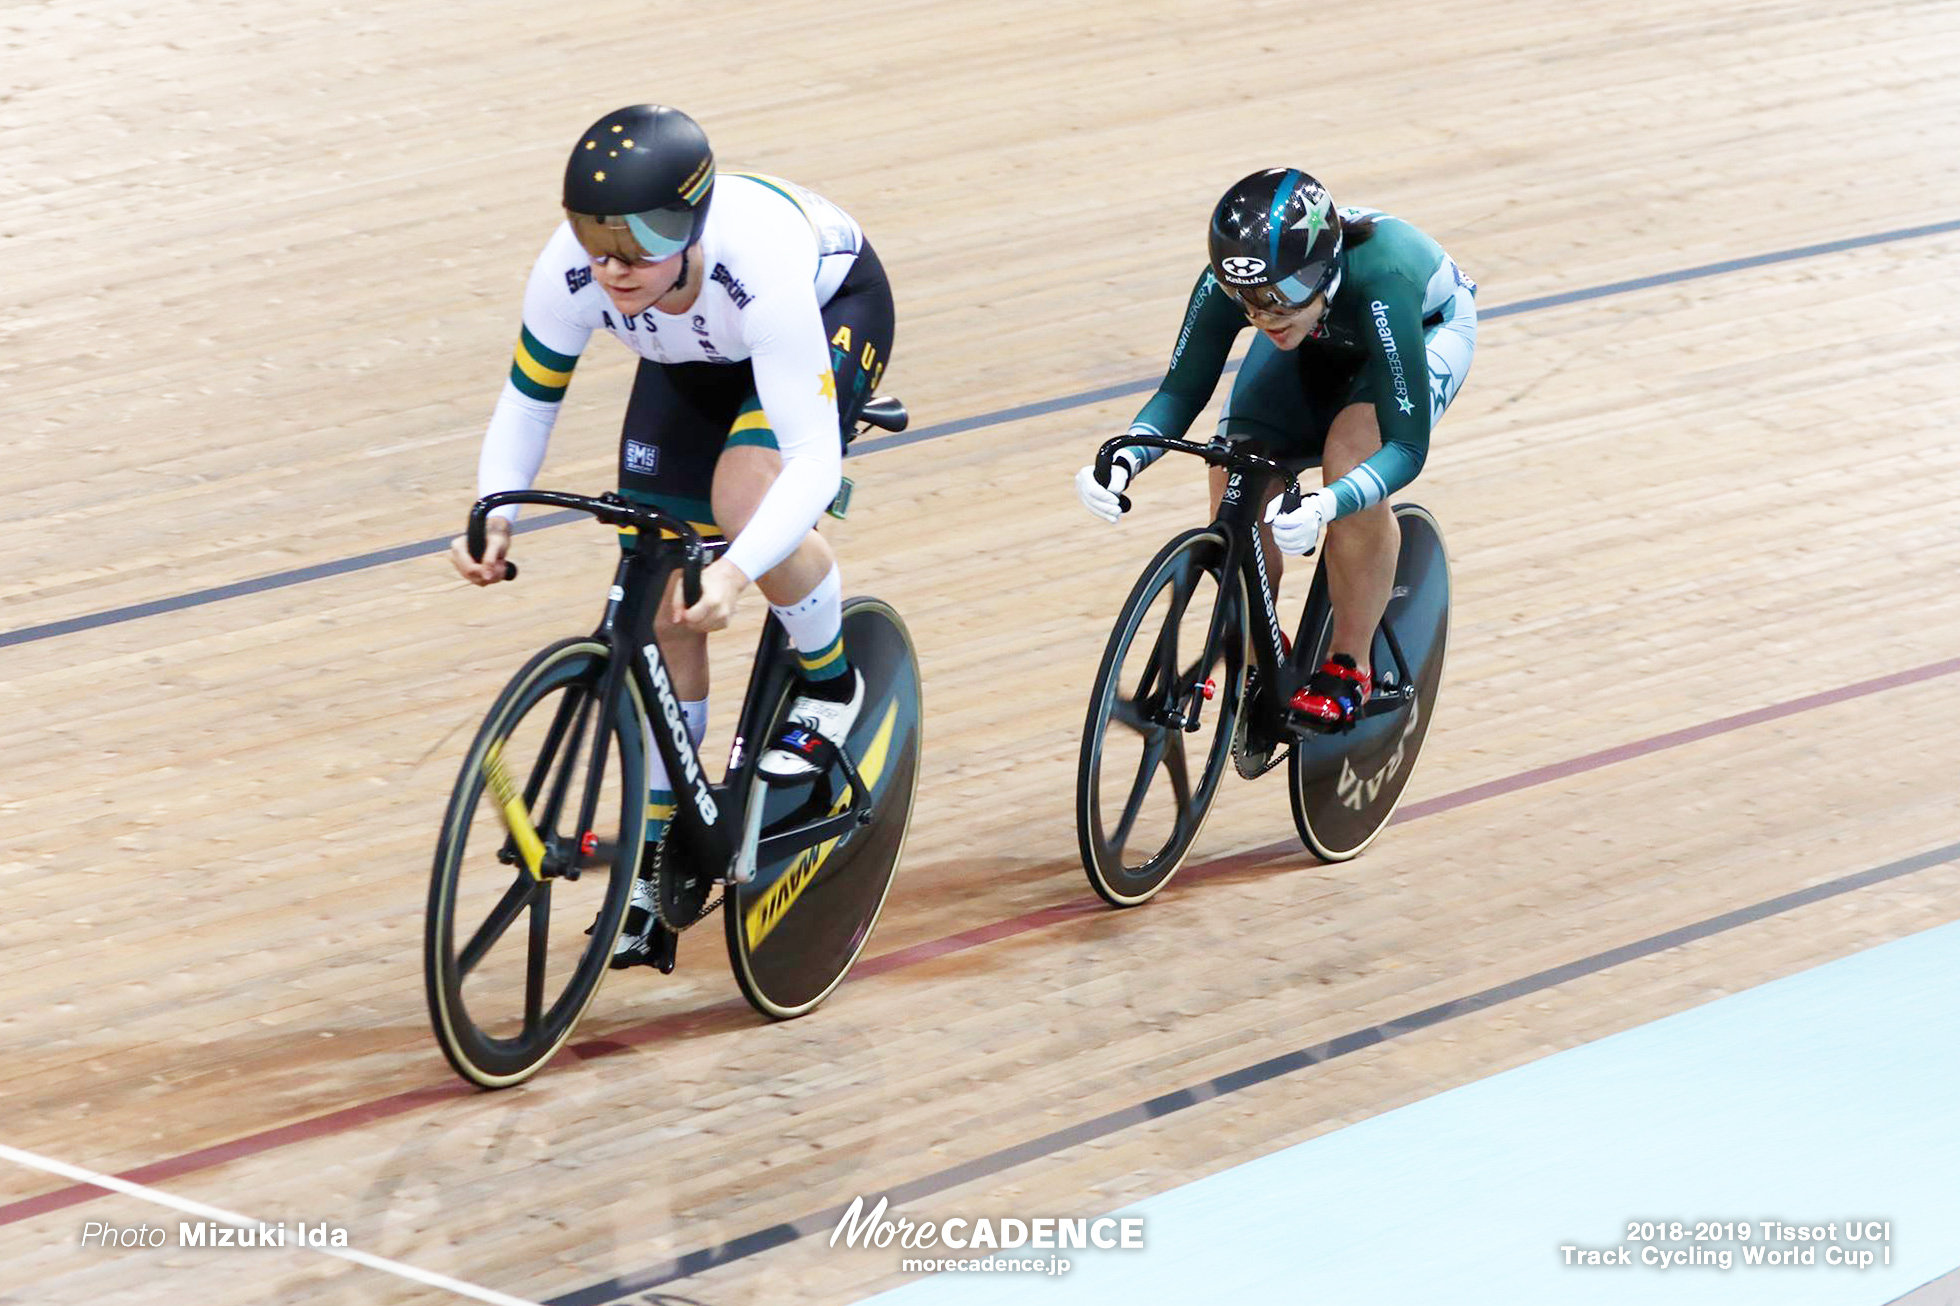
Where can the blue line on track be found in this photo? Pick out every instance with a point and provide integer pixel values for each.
(1000, 417)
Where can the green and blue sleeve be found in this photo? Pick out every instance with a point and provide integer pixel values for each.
(1392, 326)
(1211, 322)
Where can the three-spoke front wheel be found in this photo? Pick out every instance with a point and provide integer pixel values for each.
(1161, 716)
(512, 960)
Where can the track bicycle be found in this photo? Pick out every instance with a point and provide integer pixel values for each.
(546, 824)
(1196, 673)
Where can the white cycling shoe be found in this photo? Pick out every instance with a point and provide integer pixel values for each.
(636, 945)
(819, 716)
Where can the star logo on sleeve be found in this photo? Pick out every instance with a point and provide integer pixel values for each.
(1405, 405)
(827, 384)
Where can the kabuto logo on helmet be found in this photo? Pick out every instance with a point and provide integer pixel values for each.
(1242, 269)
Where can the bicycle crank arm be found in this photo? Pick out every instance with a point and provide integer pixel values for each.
(840, 821)
(743, 869)
(821, 830)
(860, 792)
(510, 804)
(1393, 700)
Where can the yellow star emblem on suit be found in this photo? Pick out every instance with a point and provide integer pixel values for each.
(827, 384)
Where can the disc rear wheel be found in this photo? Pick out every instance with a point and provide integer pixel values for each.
(797, 925)
(1345, 787)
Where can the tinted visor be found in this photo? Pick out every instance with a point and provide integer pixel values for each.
(1289, 294)
(637, 237)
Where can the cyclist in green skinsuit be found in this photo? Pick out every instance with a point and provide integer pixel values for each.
(1366, 331)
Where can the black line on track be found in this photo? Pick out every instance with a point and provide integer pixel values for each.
(278, 580)
(685, 1266)
(1021, 412)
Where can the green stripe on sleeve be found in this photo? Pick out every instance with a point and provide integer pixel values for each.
(532, 390)
(551, 358)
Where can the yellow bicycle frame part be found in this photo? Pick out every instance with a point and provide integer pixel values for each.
(511, 803)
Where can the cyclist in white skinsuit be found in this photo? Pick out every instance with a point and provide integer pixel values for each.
(763, 321)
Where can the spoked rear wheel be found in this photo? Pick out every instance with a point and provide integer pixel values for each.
(1346, 787)
(795, 928)
(509, 960)
(1145, 782)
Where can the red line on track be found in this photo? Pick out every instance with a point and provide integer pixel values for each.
(335, 1122)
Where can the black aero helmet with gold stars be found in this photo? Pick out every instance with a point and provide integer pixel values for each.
(1276, 241)
(640, 179)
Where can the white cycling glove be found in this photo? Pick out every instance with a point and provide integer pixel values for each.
(1102, 499)
(1299, 531)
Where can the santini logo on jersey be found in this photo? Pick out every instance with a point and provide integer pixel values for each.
(642, 458)
(726, 280)
(1240, 268)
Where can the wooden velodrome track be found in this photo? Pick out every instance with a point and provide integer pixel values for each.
(262, 266)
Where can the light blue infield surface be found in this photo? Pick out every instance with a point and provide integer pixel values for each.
(1828, 1097)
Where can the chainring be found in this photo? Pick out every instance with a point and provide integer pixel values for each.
(683, 895)
(1252, 764)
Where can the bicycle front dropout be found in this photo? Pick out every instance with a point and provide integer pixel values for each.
(1161, 717)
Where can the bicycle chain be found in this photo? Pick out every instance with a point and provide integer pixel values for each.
(667, 898)
(1248, 766)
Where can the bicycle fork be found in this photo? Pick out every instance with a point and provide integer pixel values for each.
(1183, 694)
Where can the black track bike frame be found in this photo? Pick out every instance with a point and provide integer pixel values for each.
(1240, 510)
(714, 815)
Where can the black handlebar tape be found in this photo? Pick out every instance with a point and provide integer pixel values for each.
(1105, 468)
(478, 538)
(1290, 501)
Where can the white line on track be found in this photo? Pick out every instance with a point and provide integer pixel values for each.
(142, 1193)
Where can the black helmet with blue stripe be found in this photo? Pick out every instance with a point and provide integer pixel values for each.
(1276, 241)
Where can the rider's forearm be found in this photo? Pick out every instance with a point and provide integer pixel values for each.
(793, 380)
(1166, 414)
(514, 445)
(1204, 340)
(1383, 472)
(1400, 363)
(786, 514)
